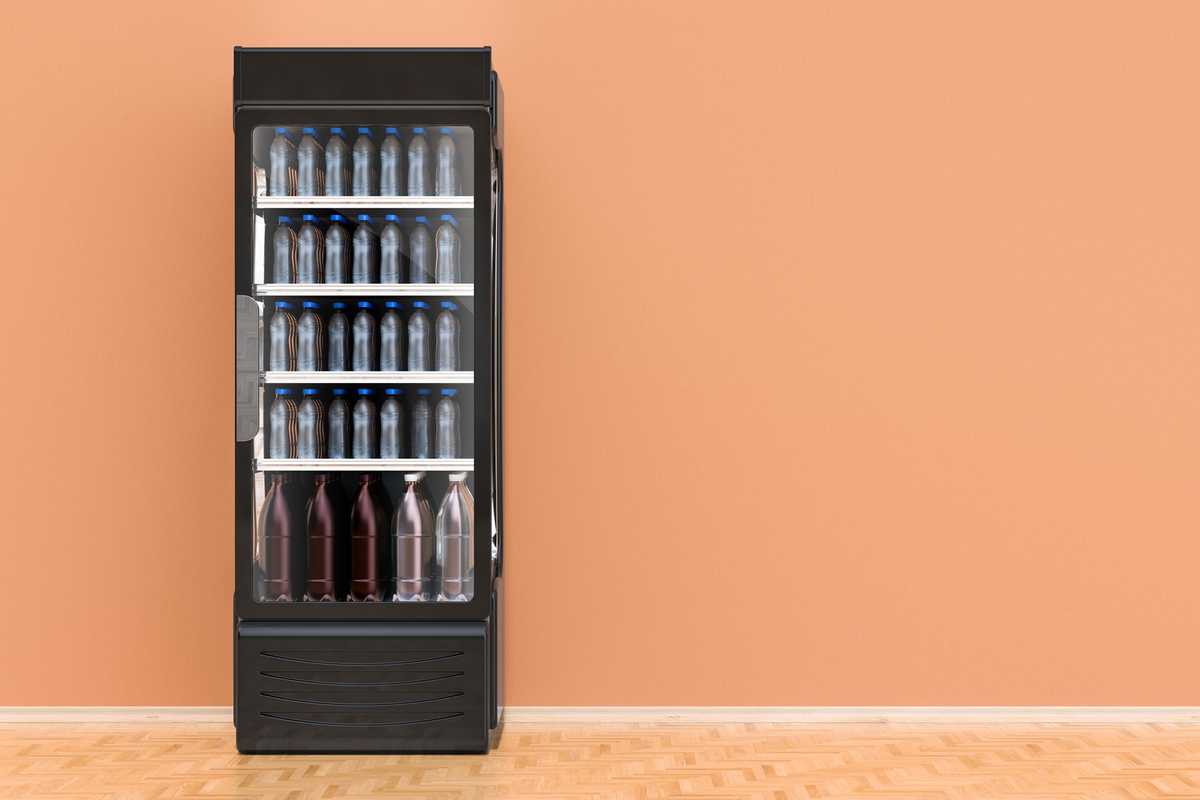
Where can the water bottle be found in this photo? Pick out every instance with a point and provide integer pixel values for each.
(391, 424)
(454, 533)
(446, 425)
(337, 251)
(339, 424)
(283, 164)
(339, 339)
(413, 542)
(366, 426)
(448, 251)
(418, 164)
(283, 242)
(283, 338)
(447, 353)
(366, 252)
(310, 337)
(421, 418)
(282, 443)
(391, 167)
(392, 249)
(310, 422)
(420, 250)
(391, 334)
(366, 178)
(446, 175)
(310, 252)
(337, 165)
(363, 357)
(310, 161)
(419, 340)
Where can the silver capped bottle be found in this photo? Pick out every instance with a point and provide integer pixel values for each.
(446, 425)
(363, 358)
(420, 340)
(454, 531)
(393, 251)
(310, 424)
(337, 250)
(391, 337)
(282, 356)
(449, 251)
(446, 174)
(282, 157)
(310, 164)
(420, 440)
(419, 178)
(414, 542)
(366, 426)
(420, 252)
(338, 355)
(366, 176)
(310, 251)
(391, 164)
(365, 268)
(339, 425)
(337, 164)
(283, 252)
(448, 352)
(310, 338)
(282, 443)
(391, 424)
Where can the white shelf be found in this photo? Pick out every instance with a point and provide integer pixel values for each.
(365, 289)
(365, 464)
(369, 377)
(268, 202)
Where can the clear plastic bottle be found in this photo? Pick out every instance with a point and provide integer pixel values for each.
(279, 543)
(420, 250)
(283, 245)
(455, 535)
(283, 164)
(421, 419)
(366, 176)
(413, 542)
(310, 251)
(310, 337)
(449, 251)
(391, 164)
(366, 252)
(391, 337)
(448, 353)
(339, 424)
(282, 443)
(391, 424)
(419, 181)
(363, 358)
(337, 251)
(337, 164)
(420, 342)
(283, 338)
(446, 414)
(310, 425)
(366, 426)
(339, 339)
(392, 251)
(446, 176)
(310, 161)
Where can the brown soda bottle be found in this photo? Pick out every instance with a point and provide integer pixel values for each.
(328, 536)
(281, 551)
(369, 518)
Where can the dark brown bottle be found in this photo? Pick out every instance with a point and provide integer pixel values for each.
(328, 538)
(281, 542)
(369, 520)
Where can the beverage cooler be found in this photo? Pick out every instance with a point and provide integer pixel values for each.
(368, 509)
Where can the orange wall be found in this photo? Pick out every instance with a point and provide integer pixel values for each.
(852, 347)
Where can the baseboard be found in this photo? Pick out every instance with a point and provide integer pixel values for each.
(666, 714)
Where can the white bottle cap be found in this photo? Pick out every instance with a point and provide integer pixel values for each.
(413, 477)
(455, 477)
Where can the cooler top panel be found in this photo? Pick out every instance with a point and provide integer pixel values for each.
(334, 76)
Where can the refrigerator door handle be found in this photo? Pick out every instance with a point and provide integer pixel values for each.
(247, 333)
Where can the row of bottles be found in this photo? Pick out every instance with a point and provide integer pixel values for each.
(308, 430)
(326, 252)
(362, 551)
(308, 345)
(332, 168)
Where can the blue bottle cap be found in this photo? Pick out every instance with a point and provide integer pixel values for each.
(282, 304)
(367, 131)
(364, 217)
(418, 131)
(285, 220)
(281, 130)
(449, 392)
(391, 217)
(335, 131)
(339, 391)
(450, 218)
(339, 304)
(309, 218)
(310, 131)
(364, 391)
(336, 218)
(391, 130)
(450, 305)
(421, 219)
(424, 391)
(420, 304)
(309, 392)
(311, 304)
(393, 391)
(392, 304)
(364, 304)
(282, 392)
(444, 130)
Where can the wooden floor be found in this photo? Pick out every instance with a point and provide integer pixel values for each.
(880, 760)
